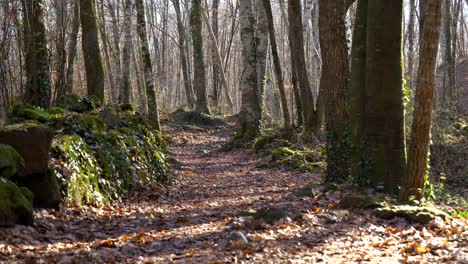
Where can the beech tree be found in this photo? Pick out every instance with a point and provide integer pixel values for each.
(91, 51)
(199, 70)
(38, 84)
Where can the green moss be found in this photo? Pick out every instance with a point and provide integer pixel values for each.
(128, 107)
(418, 214)
(56, 111)
(80, 104)
(361, 201)
(27, 194)
(268, 214)
(22, 112)
(14, 207)
(10, 161)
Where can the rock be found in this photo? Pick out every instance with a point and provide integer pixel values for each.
(14, 207)
(110, 117)
(269, 214)
(32, 141)
(45, 190)
(128, 107)
(22, 112)
(76, 103)
(360, 201)
(418, 214)
(27, 194)
(10, 161)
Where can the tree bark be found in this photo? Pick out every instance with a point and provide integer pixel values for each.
(250, 113)
(277, 63)
(310, 126)
(38, 84)
(91, 53)
(72, 47)
(126, 86)
(183, 56)
(425, 84)
(384, 119)
(199, 71)
(335, 84)
(153, 114)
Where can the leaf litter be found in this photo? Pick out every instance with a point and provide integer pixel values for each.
(196, 220)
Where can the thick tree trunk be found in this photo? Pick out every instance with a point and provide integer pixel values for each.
(199, 71)
(214, 50)
(356, 101)
(335, 84)
(91, 53)
(153, 114)
(38, 85)
(250, 114)
(105, 46)
(277, 63)
(419, 146)
(384, 120)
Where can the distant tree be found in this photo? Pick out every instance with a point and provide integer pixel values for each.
(38, 84)
(91, 52)
(250, 113)
(126, 85)
(153, 114)
(310, 121)
(425, 83)
(277, 64)
(199, 71)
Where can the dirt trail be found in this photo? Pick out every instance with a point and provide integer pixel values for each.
(195, 220)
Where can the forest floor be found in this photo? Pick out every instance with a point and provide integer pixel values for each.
(196, 220)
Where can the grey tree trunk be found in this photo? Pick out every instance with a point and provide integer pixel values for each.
(261, 41)
(72, 47)
(199, 71)
(126, 86)
(250, 113)
(153, 114)
(183, 56)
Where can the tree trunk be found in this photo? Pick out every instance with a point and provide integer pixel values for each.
(261, 42)
(384, 119)
(277, 63)
(310, 126)
(411, 45)
(419, 146)
(215, 52)
(199, 80)
(38, 85)
(91, 53)
(153, 115)
(126, 86)
(183, 56)
(335, 84)
(356, 101)
(250, 113)
(72, 49)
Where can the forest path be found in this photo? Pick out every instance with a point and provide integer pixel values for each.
(195, 220)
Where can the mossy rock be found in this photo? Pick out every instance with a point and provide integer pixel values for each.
(57, 111)
(331, 187)
(418, 214)
(128, 107)
(15, 208)
(192, 117)
(111, 117)
(361, 201)
(45, 190)
(10, 161)
(22, 112)
(32, 141)
(80, 104)
(306, 191)
(269, 214)
(282, 152)
(27, 193)
(92, 122)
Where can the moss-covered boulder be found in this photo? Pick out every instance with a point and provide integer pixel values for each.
(15, 208)
(269, 214)
(80, 104)
(10, 161)
(45, 189)
(32, 141)
(111, 117)
(418, 214)
(361, 201)
(23, 112)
